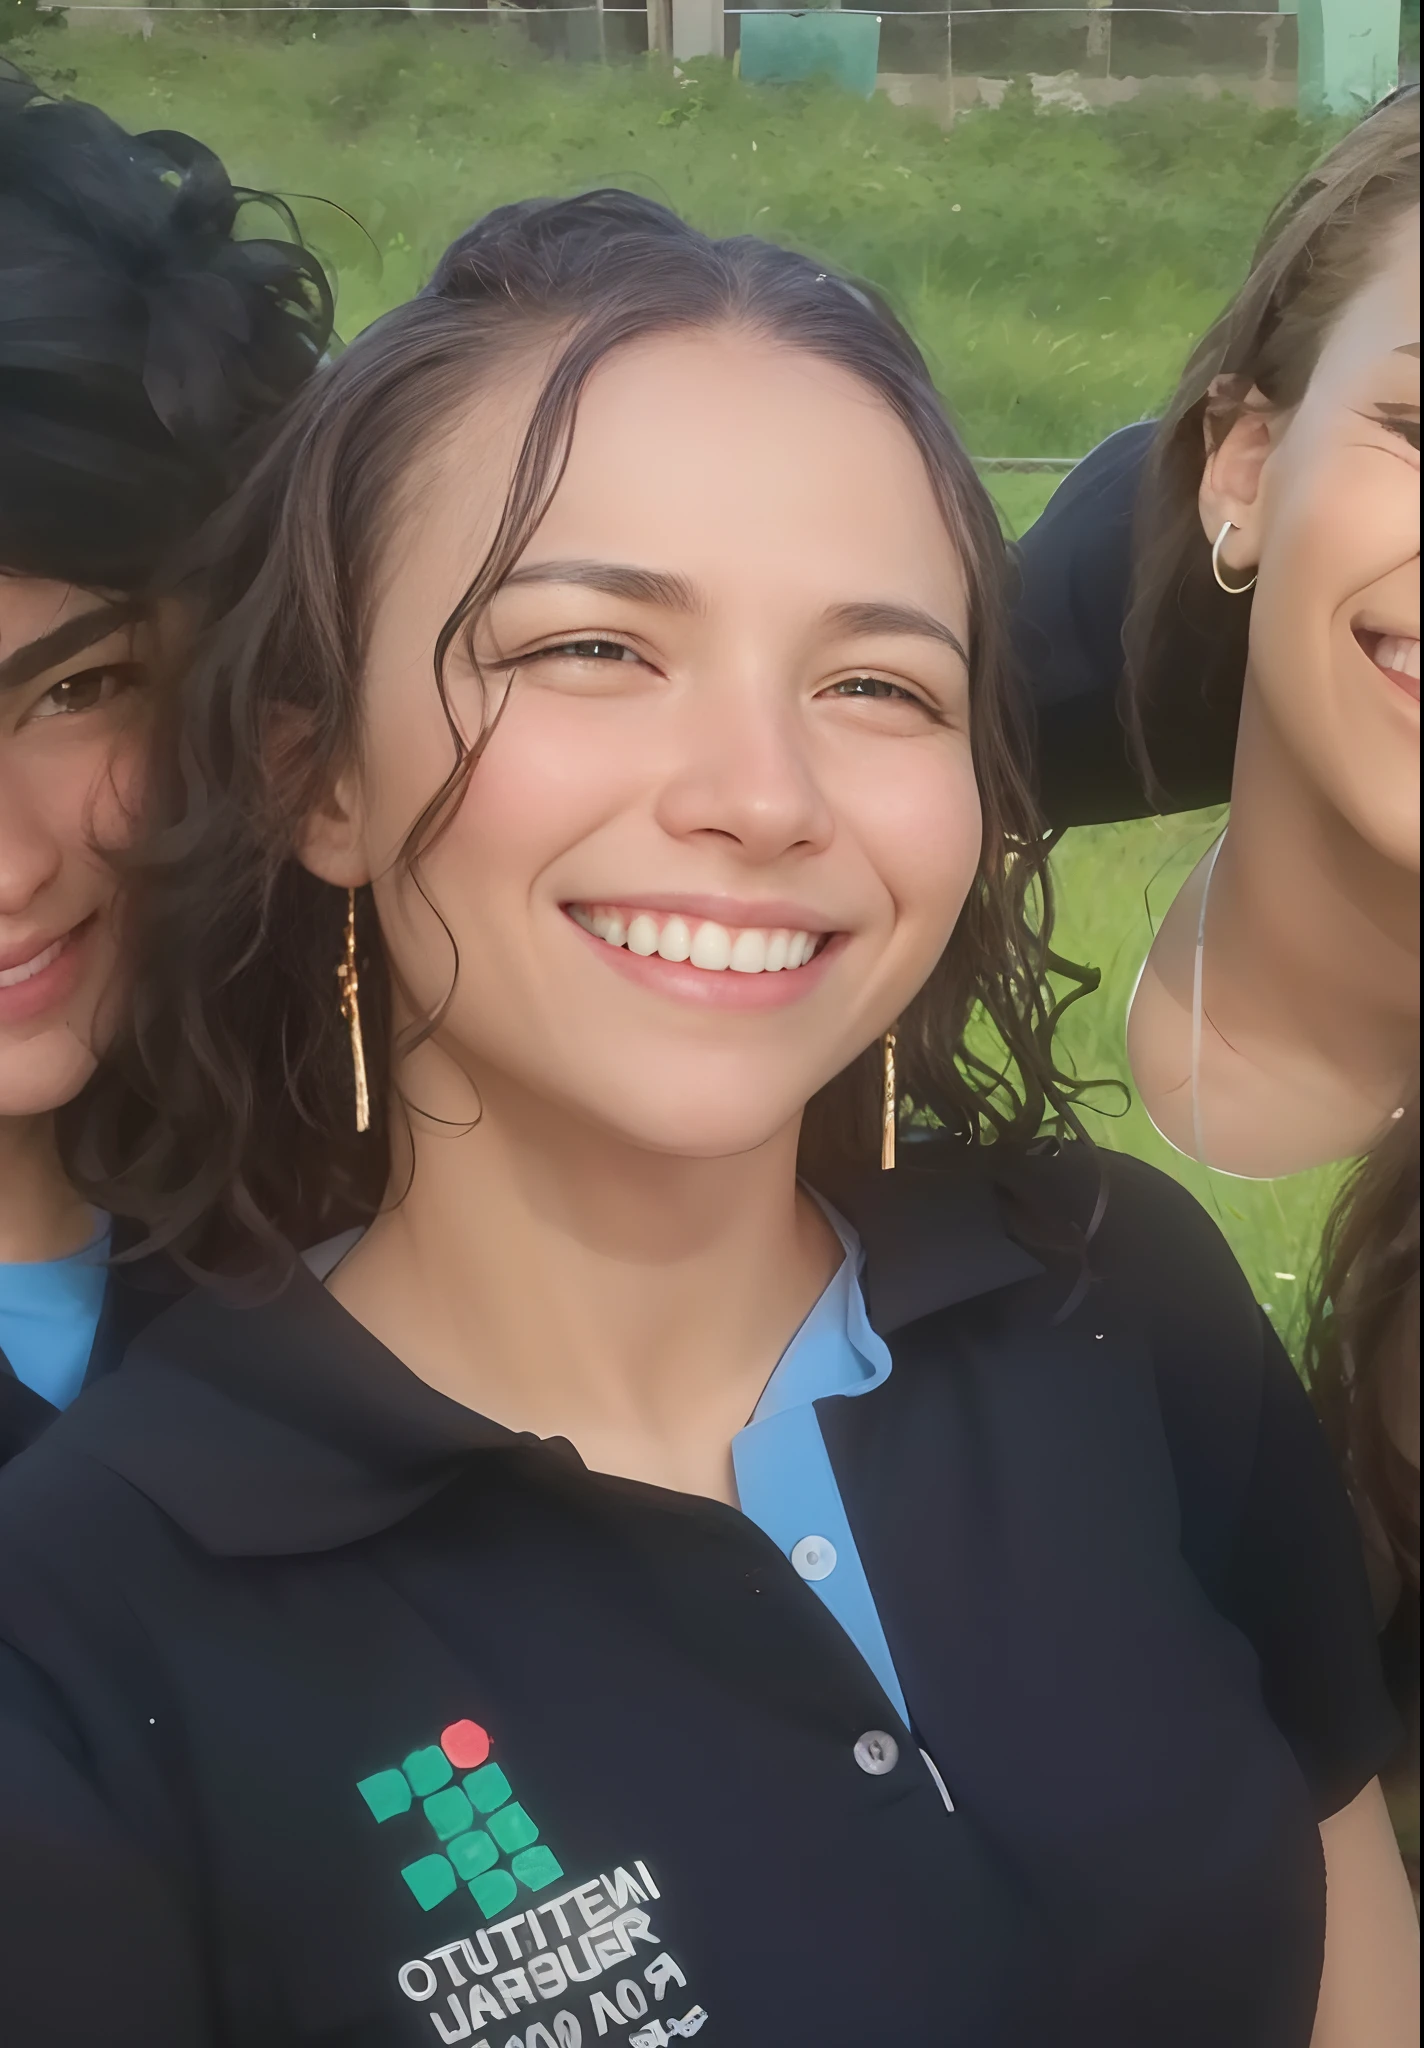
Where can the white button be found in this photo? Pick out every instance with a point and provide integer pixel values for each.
(814, 1557)
(876, 1752)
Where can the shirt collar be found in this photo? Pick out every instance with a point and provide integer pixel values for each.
(835, 1351)
(283, 1426)
(932, 1230)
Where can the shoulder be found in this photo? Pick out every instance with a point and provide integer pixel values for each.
(1144, 1245)
(1147, 1229)
(1141, 1226)
(1126, 1250)
(59, 1503)
(73, 1528)
(1082, 1222)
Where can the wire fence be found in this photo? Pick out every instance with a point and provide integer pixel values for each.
(1082, 57)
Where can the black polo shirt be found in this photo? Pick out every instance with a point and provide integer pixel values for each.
(335, 1714)
(133, 1294)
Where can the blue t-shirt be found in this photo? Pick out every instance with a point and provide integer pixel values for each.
(49, 1311)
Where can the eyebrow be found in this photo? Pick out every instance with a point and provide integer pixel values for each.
(883, 616)
(1408, 348)
(614, 579)
(35, 656)
(676, 593)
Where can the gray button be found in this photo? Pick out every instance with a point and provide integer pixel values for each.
(814, 1557)
(876, 1752)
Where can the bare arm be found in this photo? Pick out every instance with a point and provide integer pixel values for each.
(1369, 1991)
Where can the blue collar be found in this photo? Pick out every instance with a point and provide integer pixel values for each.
(835, 1351)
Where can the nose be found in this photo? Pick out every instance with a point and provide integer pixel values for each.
(746, 774)
(30, 854)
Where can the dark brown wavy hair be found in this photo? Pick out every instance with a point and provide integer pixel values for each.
(225, 1115)
(1319, 247)
(1364, 1335)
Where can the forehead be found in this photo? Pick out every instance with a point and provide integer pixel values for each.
(725, 455)
(735, 446)
(1376, 339)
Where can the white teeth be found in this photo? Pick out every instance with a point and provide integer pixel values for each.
(710, 946)
(748, 953)
(676, 940)
(1394, 651)
(11, 977)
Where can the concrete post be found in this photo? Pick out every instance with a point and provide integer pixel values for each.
(1099, 52)
(697, 28)
(1349, 54)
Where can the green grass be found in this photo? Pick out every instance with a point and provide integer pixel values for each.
(1056, 270)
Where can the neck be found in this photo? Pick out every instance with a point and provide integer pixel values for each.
(1312, 932)
(41, 1217)
(564, 1281)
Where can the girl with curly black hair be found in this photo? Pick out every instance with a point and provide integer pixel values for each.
(144, 349)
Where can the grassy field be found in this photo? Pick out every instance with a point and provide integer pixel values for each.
(1055, 268)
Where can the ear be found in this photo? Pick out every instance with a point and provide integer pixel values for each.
(1231, 481)
(332, 843)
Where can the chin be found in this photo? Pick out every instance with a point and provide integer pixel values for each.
(713, 1133)
(38, 1077)
(1391, 829)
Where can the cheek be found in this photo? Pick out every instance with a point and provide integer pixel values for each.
(551, 774)
(1338, 526)
(920, 828)
(80, 808)
(555, 770)
(117, 789)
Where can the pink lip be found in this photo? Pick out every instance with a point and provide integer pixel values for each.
(726, 991)
(53, 985)
(1409, 684)
(735, 912)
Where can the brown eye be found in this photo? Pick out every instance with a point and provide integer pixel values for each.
(875, 690)
(588, 650)
(87, 690)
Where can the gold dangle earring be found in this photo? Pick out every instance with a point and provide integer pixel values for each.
(889, 1103)
(349, 982)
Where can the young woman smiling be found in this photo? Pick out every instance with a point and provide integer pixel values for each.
(1274, 656)
(142, 344)
(669, 1576)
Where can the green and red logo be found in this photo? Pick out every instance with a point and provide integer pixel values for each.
(489, 1843)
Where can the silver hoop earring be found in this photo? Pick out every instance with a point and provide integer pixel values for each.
(1231, 589)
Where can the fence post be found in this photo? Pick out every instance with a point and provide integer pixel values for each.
(659, 28)
(1100, 34)
(1270, 30)
(698, 28)
(949, 68)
